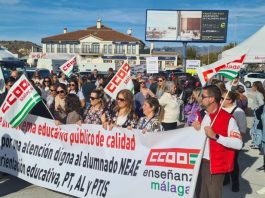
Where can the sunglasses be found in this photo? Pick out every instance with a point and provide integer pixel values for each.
(120, 99)
(62, 91)
(93, 98)
(52, 90)
(46, 81)
(142, 82)
(160, 80)
(71, 85)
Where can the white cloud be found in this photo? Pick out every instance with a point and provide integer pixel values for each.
(9, 2)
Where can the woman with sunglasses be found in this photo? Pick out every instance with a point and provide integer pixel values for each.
(73, 88)
(123, 113)
(51, 96)
(161, 84)
(151, 121)
(46, 86)
(171, 106)
(229, 105)
(58, 106)
(94, 113)
(141, 96)
(193, 106)
(54, 80)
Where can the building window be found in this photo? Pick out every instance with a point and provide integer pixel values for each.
(48, 48)
(61, 48)
(110, 49)
(129, 49)
(107, 61)
(133, 49)
(119, 49)
(52, 48)
(142, 62)
(95, 48)
(74, 48)
(105, 49)
(85, 48)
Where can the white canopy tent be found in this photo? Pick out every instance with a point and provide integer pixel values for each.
(6, 55)
(255, 45)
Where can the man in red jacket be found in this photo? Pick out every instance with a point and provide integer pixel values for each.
(223, 137)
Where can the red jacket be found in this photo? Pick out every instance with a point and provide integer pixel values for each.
(221, 157)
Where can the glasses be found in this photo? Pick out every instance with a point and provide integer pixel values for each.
(62, 91)
(120, 99)
(142, 82)
(93, 98)
(71, 85)
(205, 96)
(160, 80)
(46, 81)
(52, 90)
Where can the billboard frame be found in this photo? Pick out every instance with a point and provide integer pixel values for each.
(187, 41)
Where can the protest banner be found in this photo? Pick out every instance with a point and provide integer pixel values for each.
(88, 161)
(68, 67)
(151, 65)
(121, 80)
(21, 98)
(230, 67)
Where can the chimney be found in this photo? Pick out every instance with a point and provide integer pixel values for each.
(98, 23)
(129, 31)
(152, 46)
(65, 30)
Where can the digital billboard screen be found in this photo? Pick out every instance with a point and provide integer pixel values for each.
(186, 25)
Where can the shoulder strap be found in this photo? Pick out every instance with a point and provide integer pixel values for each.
(232, 112)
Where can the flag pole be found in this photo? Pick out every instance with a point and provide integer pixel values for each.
(221, 106)
(48, 109)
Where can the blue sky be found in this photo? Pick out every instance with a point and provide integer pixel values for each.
(32, 20)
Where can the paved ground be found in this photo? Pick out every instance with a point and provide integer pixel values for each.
(250, 182)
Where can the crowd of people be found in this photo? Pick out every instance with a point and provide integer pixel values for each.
(159, 104)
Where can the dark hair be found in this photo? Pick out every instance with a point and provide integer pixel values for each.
(153, 102)
(233, 96)
(10, 80)
(214, 91)
(76, 84)
(72, 103)
(63, 86)
(240, 89)
(99, 93)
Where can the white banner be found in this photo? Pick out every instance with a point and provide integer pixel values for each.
(121, 80)
(152, 65)
(21, 98)
(68, 67)
(88, 161)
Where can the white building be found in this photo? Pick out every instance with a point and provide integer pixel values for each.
(100, 47)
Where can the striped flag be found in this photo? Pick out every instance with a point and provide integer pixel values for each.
(21, 98)
(229, 68)
(68, 67)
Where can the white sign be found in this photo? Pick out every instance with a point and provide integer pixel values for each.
(88, 161)
(151, 65)
(193, 64)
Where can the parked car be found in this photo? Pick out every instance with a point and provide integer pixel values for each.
(31, 70)
(252, 77)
